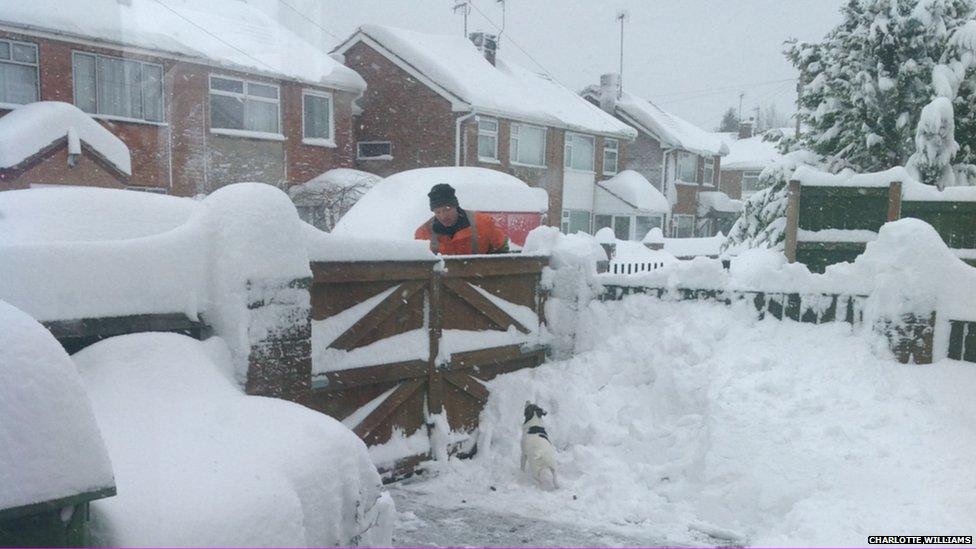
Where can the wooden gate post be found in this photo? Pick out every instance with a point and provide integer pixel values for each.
(792, 220)
(894, 201)
(435, 398)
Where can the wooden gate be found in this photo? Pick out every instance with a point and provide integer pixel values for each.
(401, 349)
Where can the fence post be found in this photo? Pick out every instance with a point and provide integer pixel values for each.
(894, 201)
(792, 220)
(434, 332)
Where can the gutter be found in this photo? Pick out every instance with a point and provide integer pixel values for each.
(457, 135)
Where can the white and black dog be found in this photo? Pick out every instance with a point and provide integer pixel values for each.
(537, 451)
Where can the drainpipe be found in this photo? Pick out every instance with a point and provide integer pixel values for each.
(457, 136)
(664, 185)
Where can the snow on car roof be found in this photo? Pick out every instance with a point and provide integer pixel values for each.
(224, 33)
(504, 89)
(396, 206)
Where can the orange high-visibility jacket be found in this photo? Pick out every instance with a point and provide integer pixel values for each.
(482, 237)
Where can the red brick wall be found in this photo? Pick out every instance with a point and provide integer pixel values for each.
(174, 155)
(54, 170)
(400, 109)
(731, 183)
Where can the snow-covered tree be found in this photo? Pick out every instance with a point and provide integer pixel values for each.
(730, 121)
(866, 84)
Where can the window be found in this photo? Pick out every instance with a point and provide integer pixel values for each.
(528, 145)
(647, 222)
(243, 105)
(684, 226)
(374, 150)
(709, 176)
(602, 221)
(687, 168)
(18, 72)
(750, 183)
(575, 221)
(621, 227)
(117, 87)
(579, 152)
(610, 152)
(317, 122)
(488, 139)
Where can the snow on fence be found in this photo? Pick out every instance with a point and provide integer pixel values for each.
(831, 218)
(401, 349)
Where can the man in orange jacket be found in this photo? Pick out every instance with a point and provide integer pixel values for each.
(454, 231)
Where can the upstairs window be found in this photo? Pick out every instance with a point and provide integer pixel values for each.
(243, 105)
(709, 171)
(687, 168)
(750, 183)
(113, 86)
(579, 152)
(18, 72)
(317, 113)
(610, 152)
(488, 139)
(528, 145)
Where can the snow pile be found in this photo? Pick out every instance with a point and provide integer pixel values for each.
(324, 199)
(50, 445)
(694, 246)
(68, 253)
(198, 463)
(30, 128)
(634, 189)
(503, 89)
(323, 246)
(751, 153)
(693, 423)
(396, 206)
(717, 201)
(570, 278)
(236, 36)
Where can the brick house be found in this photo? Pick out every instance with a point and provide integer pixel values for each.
(435, 100)
(203, 95)
(749, 154)
(677, 157)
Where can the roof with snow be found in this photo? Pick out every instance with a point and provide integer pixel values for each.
(635, 190)
(224, 33)
(397, 205)
(31, 128)
(717, 203)
(668, 128)
(751, 153)
(458, 71)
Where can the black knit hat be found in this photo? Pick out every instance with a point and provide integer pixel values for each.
(442, 194)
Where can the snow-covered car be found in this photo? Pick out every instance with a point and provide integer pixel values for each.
(199, 463)
(401, 202)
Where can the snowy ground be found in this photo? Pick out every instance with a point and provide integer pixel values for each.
(694, 424)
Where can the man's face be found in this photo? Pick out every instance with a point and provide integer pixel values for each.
(446, 215)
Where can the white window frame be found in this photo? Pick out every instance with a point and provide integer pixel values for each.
(742, 183)
(662, 219)
(615, 151)
(568, 152)
(677, 167)
(516, 128)
(319, 141)
(708, 171)
(36, 65)
(488, 134)
(381, 157)
(276, 136)
(675, 220)
(567, 216)
(98, 107)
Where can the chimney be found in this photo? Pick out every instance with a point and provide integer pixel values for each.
(746, 128)
(486, 43)
(610, 91)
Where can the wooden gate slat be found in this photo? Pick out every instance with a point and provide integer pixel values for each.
(387, 407)
(484, 357)
(483, 305)
(375, 317)
(341, 380)
(468, 384)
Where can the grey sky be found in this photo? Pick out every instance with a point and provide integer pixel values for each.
(691, 57)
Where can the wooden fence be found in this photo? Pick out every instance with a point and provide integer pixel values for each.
(449, 328)
(850, 208)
